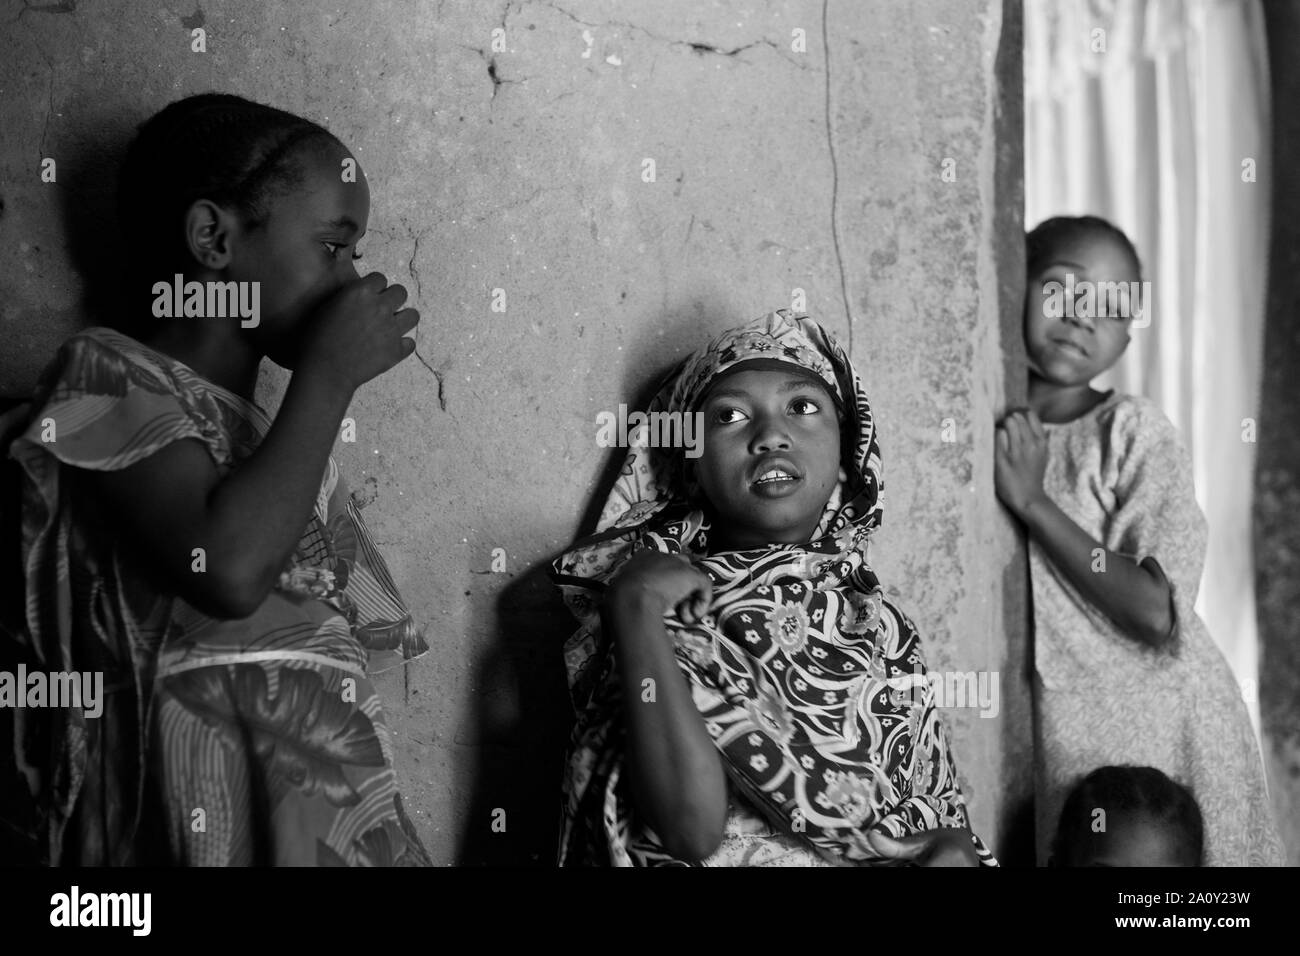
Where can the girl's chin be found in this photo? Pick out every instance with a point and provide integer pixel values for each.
(1059, 374)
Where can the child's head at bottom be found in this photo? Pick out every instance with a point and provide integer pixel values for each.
(1128, 816)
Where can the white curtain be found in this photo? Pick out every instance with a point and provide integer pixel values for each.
(1154, 114)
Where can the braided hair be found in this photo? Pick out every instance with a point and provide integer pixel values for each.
(1047, 236)
(1131, 791)
(215, 146)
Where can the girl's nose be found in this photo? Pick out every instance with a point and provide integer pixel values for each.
(770, 434)
(1085, 321)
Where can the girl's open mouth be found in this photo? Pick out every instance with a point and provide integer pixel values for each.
(775, 481)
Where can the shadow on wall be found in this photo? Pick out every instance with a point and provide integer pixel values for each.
(86, 197)
(521, 725)
(87, 181)
(88, 210)
(524, 716)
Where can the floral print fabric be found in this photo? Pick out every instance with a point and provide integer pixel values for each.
(811, 683)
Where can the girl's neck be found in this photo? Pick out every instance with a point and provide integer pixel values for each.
(222, 358)
(1061, 403)
(723, 540)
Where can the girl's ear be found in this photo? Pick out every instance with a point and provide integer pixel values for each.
(208, 232)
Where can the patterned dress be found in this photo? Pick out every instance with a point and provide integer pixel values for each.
(811, 683)
(1121, 473)
(221, 742)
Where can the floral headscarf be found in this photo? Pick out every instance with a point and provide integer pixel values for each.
(810, 682)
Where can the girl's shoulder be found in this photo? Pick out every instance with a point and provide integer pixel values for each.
(1138, 438)
(1121, 434)
(107, 400)
(1136, 419)
(103, 361)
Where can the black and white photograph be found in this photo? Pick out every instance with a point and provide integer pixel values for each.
(495, 436)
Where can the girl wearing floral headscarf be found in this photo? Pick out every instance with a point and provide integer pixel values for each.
(805, 731)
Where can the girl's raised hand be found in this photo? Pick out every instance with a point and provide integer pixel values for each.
(1019, 460)
(665, 581)
(945, 846)
(359, 332)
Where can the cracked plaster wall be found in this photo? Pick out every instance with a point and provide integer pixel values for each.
(521, 169)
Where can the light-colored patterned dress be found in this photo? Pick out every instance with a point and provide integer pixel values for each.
(1122, 474)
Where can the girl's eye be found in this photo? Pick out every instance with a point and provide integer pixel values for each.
(804, 406)
(724, 416)
(356, 256)
(334, 247)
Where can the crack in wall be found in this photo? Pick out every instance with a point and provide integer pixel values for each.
(704, 49)
(835, 175)
(414, 271)
(62, 6)
(442, 398)
(698, 47)
(411, 267)
(419, 294)
(497, 80)
(49, 106)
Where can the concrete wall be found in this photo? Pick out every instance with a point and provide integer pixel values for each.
(521, 170)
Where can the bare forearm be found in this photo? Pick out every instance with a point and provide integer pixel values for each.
(676, 773)
(1135, 599)
(256, 516)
